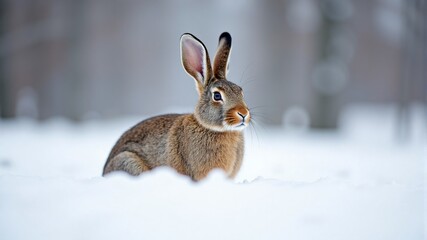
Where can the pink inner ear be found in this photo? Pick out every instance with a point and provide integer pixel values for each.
(193, 55)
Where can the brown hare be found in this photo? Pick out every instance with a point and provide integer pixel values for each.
(193, 144)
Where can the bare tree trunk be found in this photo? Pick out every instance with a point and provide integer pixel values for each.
(330, 73)
(413, 62)
(273, 33)
(5, 104)
(423, 76)
(73, 86)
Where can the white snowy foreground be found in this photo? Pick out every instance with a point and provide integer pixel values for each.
(357, 183)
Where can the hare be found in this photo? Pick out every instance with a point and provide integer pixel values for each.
(192, 144)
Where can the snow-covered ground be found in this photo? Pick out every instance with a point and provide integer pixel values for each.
(358, 183)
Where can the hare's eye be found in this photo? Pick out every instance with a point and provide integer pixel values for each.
(217, 96)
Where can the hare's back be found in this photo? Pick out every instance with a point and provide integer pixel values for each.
(147, 137)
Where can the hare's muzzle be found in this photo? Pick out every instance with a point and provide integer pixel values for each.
(238, 117)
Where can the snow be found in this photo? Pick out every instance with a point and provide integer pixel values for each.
(357, 183)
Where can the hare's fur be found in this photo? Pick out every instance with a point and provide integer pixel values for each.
(145, 147)
(192, 144)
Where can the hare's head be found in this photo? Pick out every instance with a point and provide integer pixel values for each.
(221, 106)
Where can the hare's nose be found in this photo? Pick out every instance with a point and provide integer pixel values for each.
(243, 114)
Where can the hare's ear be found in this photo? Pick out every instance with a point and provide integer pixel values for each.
(220, 64)
(195, 60)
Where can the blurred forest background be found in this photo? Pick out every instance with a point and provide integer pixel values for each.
(300, 62)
